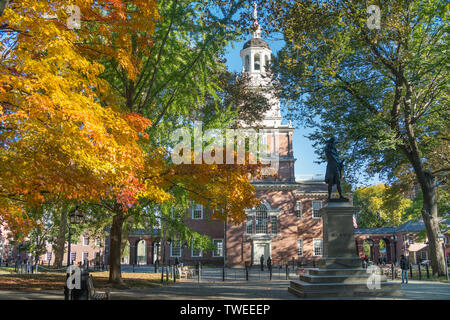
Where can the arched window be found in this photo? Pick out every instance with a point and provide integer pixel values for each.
(126, 253)
(247, 63)
(141, 252)
(257, 62)
(261, 219)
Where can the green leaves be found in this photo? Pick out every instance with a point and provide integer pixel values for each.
(381, 206)
(377, 91)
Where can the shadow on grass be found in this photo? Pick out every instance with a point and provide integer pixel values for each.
(56, 281)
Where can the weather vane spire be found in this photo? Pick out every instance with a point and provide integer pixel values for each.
(255, 12)
(256, 27)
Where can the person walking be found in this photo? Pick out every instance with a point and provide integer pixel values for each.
(404, 265)
(262, 262)
(269, 263)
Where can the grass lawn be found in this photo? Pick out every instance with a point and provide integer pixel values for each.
(56, 281)
(6, 270)
(415, 275)
(424, 276)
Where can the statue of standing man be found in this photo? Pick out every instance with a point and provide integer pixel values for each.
(334, 169)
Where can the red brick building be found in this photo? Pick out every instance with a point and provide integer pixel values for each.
(286, 225)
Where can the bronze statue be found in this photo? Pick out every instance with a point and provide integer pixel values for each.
(334, 169)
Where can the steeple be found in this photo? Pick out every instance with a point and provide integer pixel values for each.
(256, 52)
(256, 57)
(256, 33)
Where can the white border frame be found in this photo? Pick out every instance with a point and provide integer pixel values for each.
(193, 210)
(314, 251)
(214, 252)
(301, 209)
(192, 253)
(312, 208)
(181, 250)
(298, 247)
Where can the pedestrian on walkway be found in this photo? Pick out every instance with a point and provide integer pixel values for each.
(269, 263)
(404, 265)
(262, 262)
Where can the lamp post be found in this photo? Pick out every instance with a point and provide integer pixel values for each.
(394, 237)
(444, 246)
(157, 244)
(75, 217)
(100, 265)
(1, 252)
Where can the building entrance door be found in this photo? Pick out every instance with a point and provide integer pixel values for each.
(260, 249)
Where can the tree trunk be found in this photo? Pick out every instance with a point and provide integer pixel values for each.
(125, 231)
(61, 238)
(427, 184)
(430, 218)
(115, 274)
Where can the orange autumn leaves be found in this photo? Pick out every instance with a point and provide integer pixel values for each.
(64, 132)
(224, 188)
(56, 138)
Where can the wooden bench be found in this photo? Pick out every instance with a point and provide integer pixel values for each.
(93, 294)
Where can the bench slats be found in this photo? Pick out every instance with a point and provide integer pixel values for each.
(93, 294)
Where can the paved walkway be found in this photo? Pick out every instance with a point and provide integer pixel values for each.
(260, 290)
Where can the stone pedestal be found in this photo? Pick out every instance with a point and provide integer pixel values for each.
(340, 273)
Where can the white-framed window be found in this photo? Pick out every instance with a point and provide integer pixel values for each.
(175, 249)
(196, 253)
(85, 256)
(298, 209)
(273, 224)
(249, 225)
(261, 219)
(85, 241)
(318, 247)
(73, 257)
(410, 240)
(316, 206)
(97, 242)
(197, 212)
(49, 256)
(219, 248)
(300, 247)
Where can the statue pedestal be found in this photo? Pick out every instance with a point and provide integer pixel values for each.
(340, 273)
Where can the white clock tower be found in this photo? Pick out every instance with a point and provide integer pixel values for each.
(256, 58)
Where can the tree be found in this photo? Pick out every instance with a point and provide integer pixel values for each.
(174, 83)
(85, 113)
(380, 206)
(56, 139)
(382, 92)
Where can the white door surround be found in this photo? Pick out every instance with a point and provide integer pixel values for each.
(261, 248)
